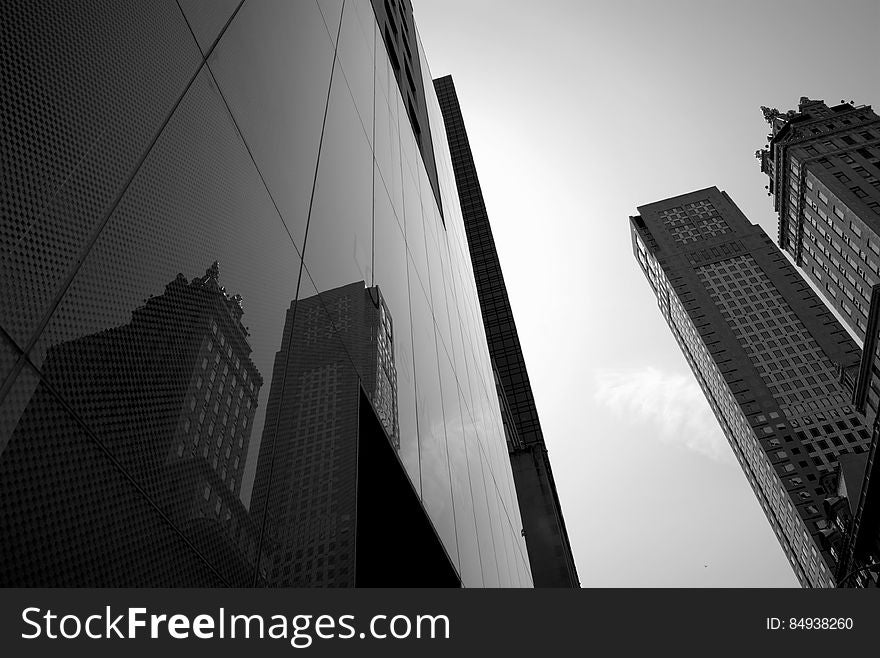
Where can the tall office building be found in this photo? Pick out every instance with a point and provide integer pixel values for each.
(823, 165)
(546, 537)
(767, 354)
(298, 144)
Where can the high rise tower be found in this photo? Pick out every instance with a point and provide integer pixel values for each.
(823, 164)
(543, 524)
(332, 426)
(767, 354)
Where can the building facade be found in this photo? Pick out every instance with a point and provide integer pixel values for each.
(546, 537)
(288, 142)
(823, 166)
(767, 354)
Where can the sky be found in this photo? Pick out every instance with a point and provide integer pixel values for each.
(578, 111)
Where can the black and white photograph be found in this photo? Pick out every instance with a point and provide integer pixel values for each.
(416, 297)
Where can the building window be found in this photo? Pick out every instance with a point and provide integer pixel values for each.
(822, 197)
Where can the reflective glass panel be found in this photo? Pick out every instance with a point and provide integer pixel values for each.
(165, 341)
(486, 542)
(75, 127)
(339, 246)
(273, 66)
(355, 54)
(207, 18)
(433, 457)
(462, 496)
(391, 277)
(71, 515)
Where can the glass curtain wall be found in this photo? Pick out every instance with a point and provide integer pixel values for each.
(218, 239)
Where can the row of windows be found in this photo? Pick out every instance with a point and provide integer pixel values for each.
(824, 378)
(839, 142)
(860, 192)
(756, 465)
(785, 366)
(834, 284)
(755, 462)
(854, 243)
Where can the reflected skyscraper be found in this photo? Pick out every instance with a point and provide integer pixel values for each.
(170, 399)
(767, 354)
(334, 371)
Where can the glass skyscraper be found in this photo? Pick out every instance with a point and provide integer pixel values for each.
(163, 427)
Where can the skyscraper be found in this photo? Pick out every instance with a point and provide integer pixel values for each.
(767, 354)
(544, 526)
(297, 144)
(823, 165)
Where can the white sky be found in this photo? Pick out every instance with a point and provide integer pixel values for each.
(577, 112)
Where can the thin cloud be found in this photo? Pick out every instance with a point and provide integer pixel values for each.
(672, 404)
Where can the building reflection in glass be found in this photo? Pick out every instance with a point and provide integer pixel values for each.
(233, 155)
(142, 486)
(334, 344)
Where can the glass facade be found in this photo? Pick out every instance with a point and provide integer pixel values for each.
(540, 509)
(221, 248)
